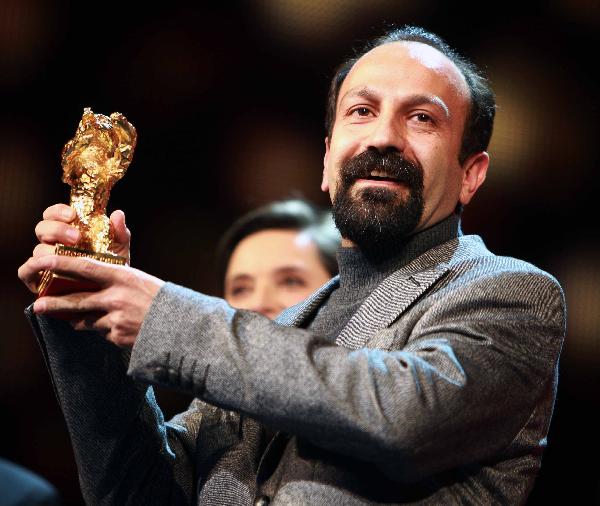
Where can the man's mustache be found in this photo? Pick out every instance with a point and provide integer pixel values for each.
(391, 163)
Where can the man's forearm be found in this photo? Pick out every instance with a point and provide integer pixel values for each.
(407, 410)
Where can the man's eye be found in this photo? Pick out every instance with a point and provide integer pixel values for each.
(422, 117)
(360, 111)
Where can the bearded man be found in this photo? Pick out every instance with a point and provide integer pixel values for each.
(424, 374)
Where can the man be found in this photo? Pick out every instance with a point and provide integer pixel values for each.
(424, 374)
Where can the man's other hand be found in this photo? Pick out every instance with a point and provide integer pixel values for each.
(116, 310)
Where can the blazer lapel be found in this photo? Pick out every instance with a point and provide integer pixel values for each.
(388, 301)
(391, 298)
(396, 293)
(296, 315)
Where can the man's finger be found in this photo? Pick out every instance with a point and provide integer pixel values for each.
(105, 325)
(90, 321)
(42, 250)
(82, 268)
(51, 232)
(59, 212)
(121, 234)
(82, 302)
(29, 274)
(120, 229)
(101, 323)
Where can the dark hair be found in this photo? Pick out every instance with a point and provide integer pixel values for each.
(291, 214)
(480, 120)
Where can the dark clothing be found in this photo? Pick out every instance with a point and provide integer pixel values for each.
(21, 487)
(359, 275)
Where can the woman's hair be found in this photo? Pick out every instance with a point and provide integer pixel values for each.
(291, 214)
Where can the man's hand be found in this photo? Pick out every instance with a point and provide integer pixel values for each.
(56, 227)
(116, 310)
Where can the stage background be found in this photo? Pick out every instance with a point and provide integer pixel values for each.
(229, 105)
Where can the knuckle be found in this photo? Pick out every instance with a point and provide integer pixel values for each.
(50, 304)
(81, 304)
(51, 211)
(48, 211)
(111, 303)
(129, 277)
(42, 250)
(103, 301)
(39, 229)
(77, 324)
(119, 323)
(60, 212)
(99, 328)
(28, 275)
(88, 266)
(109, 337)
(46, 232)
(113, 321)
(119, 338)
(50, 232)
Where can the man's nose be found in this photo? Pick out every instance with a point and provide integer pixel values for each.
(265, 301)
(387, 134)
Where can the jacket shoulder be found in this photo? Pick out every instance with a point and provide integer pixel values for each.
(472, 254)
(475, 268)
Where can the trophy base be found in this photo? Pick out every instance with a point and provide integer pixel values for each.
(57, 284)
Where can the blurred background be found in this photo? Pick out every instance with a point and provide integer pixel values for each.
(229, 103)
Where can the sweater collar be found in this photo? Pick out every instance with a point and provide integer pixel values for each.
(358, 272)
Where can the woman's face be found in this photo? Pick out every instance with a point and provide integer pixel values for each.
(272, 270)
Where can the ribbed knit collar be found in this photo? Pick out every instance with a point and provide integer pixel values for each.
(359, 273)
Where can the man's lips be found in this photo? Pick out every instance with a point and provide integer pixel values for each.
(379, 177)
(385, 182)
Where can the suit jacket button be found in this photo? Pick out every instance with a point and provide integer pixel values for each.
(160, 374)
(262, 500)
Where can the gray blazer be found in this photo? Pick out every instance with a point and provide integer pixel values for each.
(439, 390)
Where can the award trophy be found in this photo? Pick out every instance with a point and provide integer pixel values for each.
(93, 161)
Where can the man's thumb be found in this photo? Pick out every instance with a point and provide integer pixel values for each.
(121, 234)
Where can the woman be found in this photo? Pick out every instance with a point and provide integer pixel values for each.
(277, 255)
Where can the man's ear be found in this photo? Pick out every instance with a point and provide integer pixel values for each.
(474, 171)
(325, 180)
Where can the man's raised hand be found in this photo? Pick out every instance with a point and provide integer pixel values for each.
(57, 227)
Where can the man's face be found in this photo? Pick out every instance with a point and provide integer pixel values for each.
(393, 152)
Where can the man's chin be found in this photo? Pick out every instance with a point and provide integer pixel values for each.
(378, 195)
(377, 220)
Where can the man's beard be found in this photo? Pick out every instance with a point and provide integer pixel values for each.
(378, 219)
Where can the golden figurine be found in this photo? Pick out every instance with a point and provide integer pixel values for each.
(93, 161)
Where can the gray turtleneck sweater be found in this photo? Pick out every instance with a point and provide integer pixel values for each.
(360, 275)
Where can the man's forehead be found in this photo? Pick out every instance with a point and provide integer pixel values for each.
(411, 53)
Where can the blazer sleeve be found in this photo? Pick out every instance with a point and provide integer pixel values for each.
(478, 363)
(125, 451)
